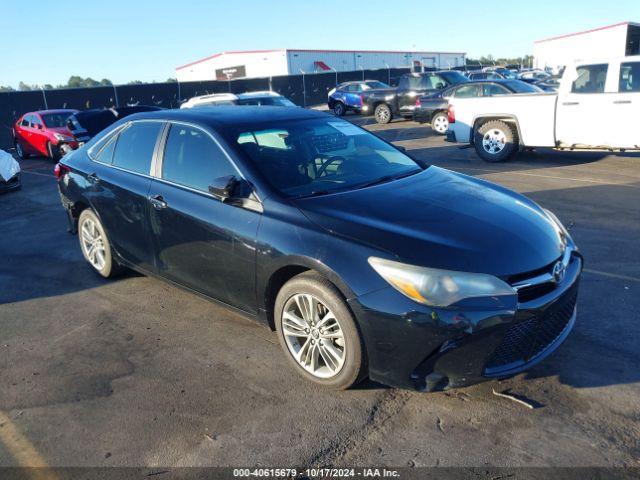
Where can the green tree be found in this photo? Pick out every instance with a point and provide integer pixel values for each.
(8, 88)
(171, 80)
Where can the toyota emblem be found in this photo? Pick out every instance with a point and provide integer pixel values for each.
(558, 272)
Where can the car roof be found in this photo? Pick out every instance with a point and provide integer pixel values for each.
(231, 115)
(263, 93)
(56, 110)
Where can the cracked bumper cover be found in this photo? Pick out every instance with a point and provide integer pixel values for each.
(429, 349)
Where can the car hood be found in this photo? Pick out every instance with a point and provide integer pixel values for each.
(443, 219)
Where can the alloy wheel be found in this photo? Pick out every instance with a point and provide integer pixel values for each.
(383, 115)
(313, 336)
(19, 150)
(494, 141)
(92, 244)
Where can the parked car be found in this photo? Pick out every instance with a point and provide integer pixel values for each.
(42, 133)
(533, 76)
(500, 126)
(346, 96)
(86, 124)
(364, 262)
(485, 76)
(9, 172)
(249, 98)
(386, 103)
(433, 108)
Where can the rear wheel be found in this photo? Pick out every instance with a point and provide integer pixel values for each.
(95, 245)
(383, 113)
(20, 150)
(495, 141)
(318, 332)
(440, 123)
(339, 109)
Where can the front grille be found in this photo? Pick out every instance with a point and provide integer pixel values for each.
(527, 339)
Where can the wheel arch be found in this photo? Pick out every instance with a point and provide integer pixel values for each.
(291, 267)
(507, 118)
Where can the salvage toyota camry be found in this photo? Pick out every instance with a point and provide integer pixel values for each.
(362, 261)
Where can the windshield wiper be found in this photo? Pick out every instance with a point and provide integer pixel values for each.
(388, 178)
(315, 193)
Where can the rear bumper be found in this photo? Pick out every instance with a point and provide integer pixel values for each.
(429, 349)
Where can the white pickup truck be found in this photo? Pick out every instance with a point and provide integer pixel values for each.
(597, 107)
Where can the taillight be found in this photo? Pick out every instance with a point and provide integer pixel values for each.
(418, 103)
(451, 113)
(60, 170)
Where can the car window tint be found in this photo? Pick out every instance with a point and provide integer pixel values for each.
(629, 77)
(493, 89)
(25, 121)
(467, 91)
(35, 121)
(105, 155)
(135, 146)
(193, 159)
(590, 79)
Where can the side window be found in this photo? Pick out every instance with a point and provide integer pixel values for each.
(591, 79)
(437, 82)
(492, 89)
(467, 91)
(135, 145)
(105, 155)
(26, 121)
(36, 122)
(629, 77)
(193, 159)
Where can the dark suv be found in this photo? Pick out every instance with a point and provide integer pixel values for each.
(363, 261)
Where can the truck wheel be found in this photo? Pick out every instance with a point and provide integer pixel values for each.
(339, 109)
(495, 141)
(440, 123)
(383, 113)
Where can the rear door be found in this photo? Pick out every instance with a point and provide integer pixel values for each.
(624, 105)
(23, 134)
(121, 181)
(582, 106)
(202, 242)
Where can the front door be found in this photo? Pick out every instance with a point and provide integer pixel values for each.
(579, 119)
(202, 242)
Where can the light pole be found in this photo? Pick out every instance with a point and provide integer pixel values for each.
(388, 73)
(304, 90)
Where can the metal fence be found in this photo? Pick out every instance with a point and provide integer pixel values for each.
(304, 90)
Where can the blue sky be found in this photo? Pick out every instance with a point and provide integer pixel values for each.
(48, 41)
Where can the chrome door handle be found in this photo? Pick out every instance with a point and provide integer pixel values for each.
(620, 102)
(158, 202)
(93, 178)
(570, 103)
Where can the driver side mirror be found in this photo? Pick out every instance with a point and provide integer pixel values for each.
(222, 188)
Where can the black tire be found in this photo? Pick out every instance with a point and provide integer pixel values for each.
(502, 138)
(339, 109)
(20, 150)
(111, 268)
(354, 368)
(438, 121)
(383, 113)
(53, 152)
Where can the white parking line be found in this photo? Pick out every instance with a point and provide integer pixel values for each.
(612, 275)
(38, 173)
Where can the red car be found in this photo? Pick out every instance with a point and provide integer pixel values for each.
(42, 133)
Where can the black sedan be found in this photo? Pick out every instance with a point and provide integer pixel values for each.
(363, 261)
(433, 108)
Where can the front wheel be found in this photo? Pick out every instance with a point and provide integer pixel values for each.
(95, 245)
(495, 141)
(318, 332)
(440, 123)
(383, 113)
(339, 109)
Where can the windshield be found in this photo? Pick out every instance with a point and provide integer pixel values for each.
(275, 101)
(317, 156)
(376, 85)
(56, 120)
(453, 77)
(518, 86)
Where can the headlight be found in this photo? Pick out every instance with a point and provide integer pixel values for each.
(435, 287)
(62, 138)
